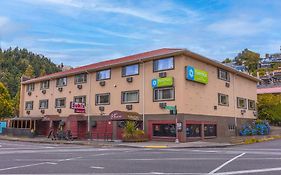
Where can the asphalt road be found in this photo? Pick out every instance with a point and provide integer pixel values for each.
(31, 158)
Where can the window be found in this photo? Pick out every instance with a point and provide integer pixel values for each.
(130, 70)
(30, 87)
(43, 104)
(223, 99)
(161, 94)
(104, 74)
(163, 64)
(81, 78)
(29, 105)
(241, 103)
(193, 130)
(80, 99)
(45, 84)
(103, 99)
(223, 75)
(210, 130)
(251, 105)
(61, 82)
(60, 102)
(130, 96)
(164, 130)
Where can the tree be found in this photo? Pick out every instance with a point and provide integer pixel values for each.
(29, 72)
(269, 108)
(248, 58)
(227, 60)
(6, 104)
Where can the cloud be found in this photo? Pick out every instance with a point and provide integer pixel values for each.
(240, 26)
(122, 35)
(70, 41)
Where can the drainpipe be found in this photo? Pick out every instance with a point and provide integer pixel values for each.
(233, 94)
(143, 94)
(88, 107)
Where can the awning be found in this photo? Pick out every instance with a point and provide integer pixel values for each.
(53, 118)
(124, 115)
(26, 118)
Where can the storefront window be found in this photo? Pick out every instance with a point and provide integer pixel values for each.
(210, 130)
(164, 130)
(193, 130)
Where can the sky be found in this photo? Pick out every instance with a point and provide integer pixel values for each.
(80, 32)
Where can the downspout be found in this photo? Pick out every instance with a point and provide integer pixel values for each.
(88, 107)
(143, 94)
(234, 104)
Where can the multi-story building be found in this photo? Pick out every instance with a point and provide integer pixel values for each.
(211, 99)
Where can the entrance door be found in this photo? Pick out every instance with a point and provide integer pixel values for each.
(82, 129)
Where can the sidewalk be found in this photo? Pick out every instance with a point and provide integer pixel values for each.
(102, 143)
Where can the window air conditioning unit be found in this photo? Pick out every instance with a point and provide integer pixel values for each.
(59, 110)
(215, 107)
(43, 91)
(227, 84)
(129, 79)
(60, 89)
(43, 111)
(79, 86)
(102, 83)
(162, 105)
(129, 107)
(101, 108)
(255, 113)
(243, 111)
(27, 112)
(163, 74)
(29, 93)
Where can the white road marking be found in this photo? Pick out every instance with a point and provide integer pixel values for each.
(221, 166)
(249, 171)
(24, 166)
(97, 167)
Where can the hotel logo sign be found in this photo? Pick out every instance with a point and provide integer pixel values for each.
(162, 82)
(196, 75)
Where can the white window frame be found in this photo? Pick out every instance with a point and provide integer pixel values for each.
(220, 75)
(63, 80)
(44, 107)
(249, 106)
(80, 78)
(30, 87)
(157, 90)
(27, 107)
(220, 95)
(60, 106)
(45, 84)
(124, 96)
(82, 99)
(238, 103)
(97, 99)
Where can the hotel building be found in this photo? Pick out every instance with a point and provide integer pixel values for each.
(212, 100)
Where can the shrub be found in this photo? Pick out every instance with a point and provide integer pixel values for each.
(132, 134)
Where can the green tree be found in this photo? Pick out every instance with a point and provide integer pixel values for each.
(248, 58)
(6, 104)
(29, 72)
(227, 60)
(269, 107)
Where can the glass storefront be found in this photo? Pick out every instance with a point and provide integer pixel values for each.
(164, 130)
(193, 130)
(210, 130)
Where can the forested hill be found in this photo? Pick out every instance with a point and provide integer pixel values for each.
(17, 62)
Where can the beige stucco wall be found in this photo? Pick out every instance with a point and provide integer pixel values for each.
(190, 97)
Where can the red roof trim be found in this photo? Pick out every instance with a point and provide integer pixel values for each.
(106, 63)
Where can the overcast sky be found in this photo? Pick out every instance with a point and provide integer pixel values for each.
(79, 32)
